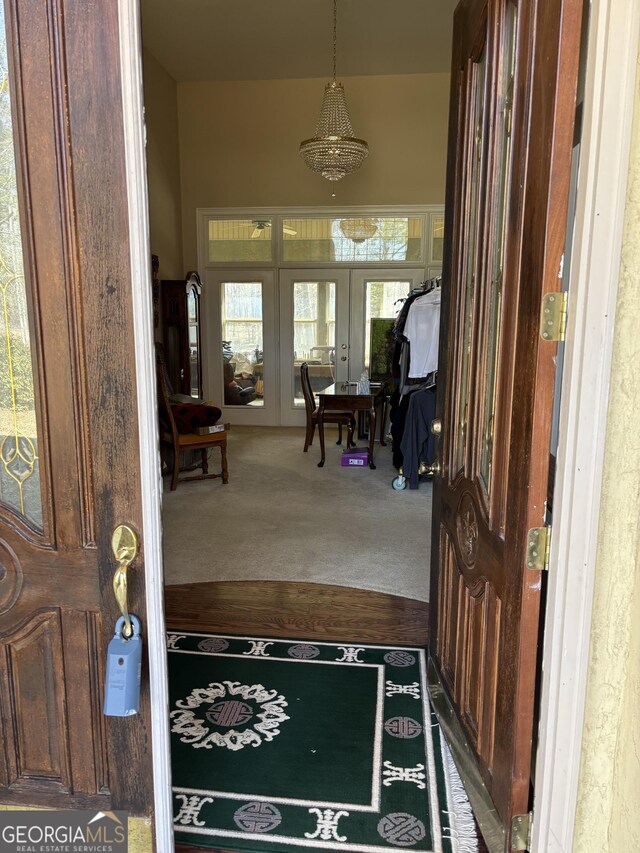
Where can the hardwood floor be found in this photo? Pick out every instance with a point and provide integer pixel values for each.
(298, 611)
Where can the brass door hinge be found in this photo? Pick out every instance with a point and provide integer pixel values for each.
(553, 316)
(521, 831)
(538, 548)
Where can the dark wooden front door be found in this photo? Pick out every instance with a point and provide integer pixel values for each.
(512, 110)
(69, 469)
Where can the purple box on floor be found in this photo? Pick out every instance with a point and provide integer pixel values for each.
(355, 457)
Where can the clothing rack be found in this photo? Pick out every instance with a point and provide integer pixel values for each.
(413, 404)
(426, 287)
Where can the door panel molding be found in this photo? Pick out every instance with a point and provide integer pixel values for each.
(33, 694)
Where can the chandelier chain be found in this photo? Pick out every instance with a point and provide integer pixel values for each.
(334, 151)
(335, 36)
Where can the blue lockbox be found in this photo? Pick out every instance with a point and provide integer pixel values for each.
(124, 663)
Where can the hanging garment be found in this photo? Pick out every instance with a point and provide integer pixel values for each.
(399, 406)
(422, 330)
(401, 319)
(418, 442)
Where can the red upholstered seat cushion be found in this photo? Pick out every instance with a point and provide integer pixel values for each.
(188, 416)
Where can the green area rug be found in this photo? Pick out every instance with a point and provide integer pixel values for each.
(281, 745)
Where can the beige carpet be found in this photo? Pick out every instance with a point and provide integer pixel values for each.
(281, 517)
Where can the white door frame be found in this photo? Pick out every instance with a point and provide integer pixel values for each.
(611, 67)
(147, 405)
(593, 285)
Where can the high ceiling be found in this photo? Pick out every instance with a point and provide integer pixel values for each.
(277, 39)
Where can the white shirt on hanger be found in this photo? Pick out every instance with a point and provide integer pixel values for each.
(422, 330)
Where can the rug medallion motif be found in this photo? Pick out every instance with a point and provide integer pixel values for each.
(281, 745)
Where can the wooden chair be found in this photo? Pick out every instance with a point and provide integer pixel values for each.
(180, 442)
(341, 418)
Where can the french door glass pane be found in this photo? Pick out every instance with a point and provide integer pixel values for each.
(19, 466)
(477, 101)
(503, 150)
(314, 328)
(244, 240)
(381, 306)
(242, 342)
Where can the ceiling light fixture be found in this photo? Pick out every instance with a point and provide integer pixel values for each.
(334, 151)
(359, 230)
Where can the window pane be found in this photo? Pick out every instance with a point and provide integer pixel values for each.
(242, 343)
(437, 239)
(314, 313)
(245, 240)
(380, 310)
(19, 467)
(503, 159)
(392, 239)
(472, 242)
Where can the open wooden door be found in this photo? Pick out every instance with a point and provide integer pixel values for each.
(513, 83)
(69, 452)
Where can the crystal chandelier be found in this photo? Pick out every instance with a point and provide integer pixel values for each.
(359, 230)
(334, 151)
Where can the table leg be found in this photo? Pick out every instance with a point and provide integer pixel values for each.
(383, 421)
(321, 431)
(372, 433)
(225, 472)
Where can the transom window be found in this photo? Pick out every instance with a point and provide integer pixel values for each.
(279, 237)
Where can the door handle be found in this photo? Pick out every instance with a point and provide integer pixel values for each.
(434, 469)
(124, 543)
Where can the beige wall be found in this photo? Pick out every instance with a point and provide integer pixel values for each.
(239, 144)
(608, 816)
(163, 167)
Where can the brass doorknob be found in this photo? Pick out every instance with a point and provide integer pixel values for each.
(436, 426)
(124, 543)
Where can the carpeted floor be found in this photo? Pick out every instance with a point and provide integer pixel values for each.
(281, 517)
(286, 745)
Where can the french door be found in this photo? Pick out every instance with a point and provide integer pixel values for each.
(513, 84)
(314, 327)
(257, 335)
(329, 319)
(375, 300)
(239, 345)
